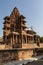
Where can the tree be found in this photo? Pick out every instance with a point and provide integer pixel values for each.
(41, 39)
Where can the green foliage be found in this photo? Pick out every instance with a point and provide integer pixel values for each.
(41, 39)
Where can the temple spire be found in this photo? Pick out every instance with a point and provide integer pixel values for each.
(15, 12)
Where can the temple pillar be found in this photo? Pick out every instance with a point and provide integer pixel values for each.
(16, 38)
(22, 38)
(26, 39)
(13, 39)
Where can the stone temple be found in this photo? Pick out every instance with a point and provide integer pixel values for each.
(16, 36)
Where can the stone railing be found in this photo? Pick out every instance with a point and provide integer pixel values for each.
(32, 45)
(41, 45)
(27, 45)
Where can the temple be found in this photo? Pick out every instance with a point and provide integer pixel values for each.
(16, 32)
(16, 35)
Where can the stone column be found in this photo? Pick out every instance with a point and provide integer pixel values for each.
(26, 39)
(13, 39)
(22, 38)
(16, 38)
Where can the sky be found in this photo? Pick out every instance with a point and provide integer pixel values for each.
(31, 9)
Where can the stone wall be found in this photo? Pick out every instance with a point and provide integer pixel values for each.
(25, 54)
(8, 55)
(13, 55)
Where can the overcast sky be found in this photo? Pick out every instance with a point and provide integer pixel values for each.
(31, 9)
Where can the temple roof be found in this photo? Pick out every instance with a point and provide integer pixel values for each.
(6, 17)
(31, 31)
(22, 16)
(36, 35)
